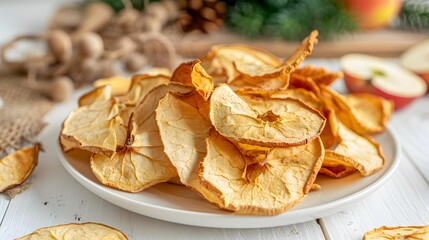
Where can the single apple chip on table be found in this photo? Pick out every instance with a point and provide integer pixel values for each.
(270, 188)
(401, 232)
(88, 231)
(239, 121)
(16, 167)
(142, 162)
(192, 74)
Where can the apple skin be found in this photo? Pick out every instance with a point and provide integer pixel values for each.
(356, 85)
(425, 77)
(373, 14)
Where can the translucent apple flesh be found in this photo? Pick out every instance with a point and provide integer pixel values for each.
(363, 73)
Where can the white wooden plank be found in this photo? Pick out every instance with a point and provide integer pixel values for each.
(4, 203)
(403, 200)
(412, 126)
(56, 198)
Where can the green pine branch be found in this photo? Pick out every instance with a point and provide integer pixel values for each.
(292, 19)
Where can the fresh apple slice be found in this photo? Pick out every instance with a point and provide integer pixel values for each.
(416, 59)
(364, 73)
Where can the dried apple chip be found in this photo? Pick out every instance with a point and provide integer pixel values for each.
(142, 162)
(97, 127)
(274, 123)
(192, 74)
(141, 85)
(364, 113)
(261, 189)
(329, 134)
(297, 82)
(99, 94)
(318, 74)
(67, 145)
(88, 231)
(364, 151)
(301, 94)
(219, 61)
(130, 171)
(183, 131)
(16, 167)
(336, 165)
(401, 232)
(120, 85)
(268, 83)
(289, 65)
(371, 113)
(268, 76)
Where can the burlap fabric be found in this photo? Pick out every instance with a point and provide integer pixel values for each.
(21, 117)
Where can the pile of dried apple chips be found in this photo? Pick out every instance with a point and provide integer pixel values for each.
(247, 131)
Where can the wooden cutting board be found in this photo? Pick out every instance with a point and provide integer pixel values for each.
(382, 43)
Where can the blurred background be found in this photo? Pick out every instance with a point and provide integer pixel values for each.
(383, 27)
(84, 40)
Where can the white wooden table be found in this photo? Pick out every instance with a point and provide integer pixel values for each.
(55, 197)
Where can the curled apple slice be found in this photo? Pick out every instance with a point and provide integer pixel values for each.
(89, 231)
(219, 61)
(298, 81)
(336, 165)
(120, 85)
(142, 162)
(364, 113)
(269, 122)
(400, 232)
(318, 74)
(16, 167)
(364, 153)
(183, 132)
(269, 77)
(96, 127)
(192, 74)
(141, 85)
(262, 189)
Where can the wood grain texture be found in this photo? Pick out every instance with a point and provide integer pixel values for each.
(56, 198)
(412, 125)
(4, 203)
(403, 200)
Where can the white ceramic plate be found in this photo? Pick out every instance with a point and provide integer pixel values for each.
(178, 204)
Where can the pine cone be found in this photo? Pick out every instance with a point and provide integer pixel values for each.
(201, 15)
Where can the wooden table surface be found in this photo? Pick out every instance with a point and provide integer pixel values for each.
(55, 197)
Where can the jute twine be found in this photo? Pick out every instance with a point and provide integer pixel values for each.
(21, 116)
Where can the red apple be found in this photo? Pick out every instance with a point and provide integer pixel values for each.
(372, 14)
(364, 73)
(416, 59)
